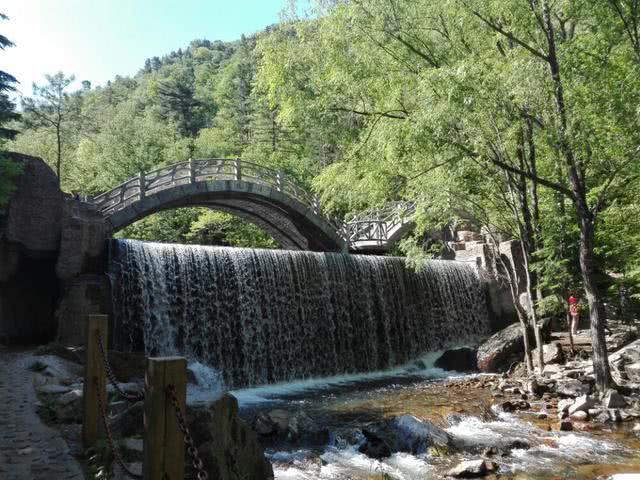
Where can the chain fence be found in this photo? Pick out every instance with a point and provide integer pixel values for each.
(107, 428)
(196, 461)
(131, 398)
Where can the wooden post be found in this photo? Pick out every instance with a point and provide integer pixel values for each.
(163, 440)
(95, 382)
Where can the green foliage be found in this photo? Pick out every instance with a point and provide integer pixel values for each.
(216, 228)
(8, 171)
(450, 104)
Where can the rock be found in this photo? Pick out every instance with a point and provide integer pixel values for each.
(572, 388)
(459, 359)
(130, 422)
(564, 404)
(565, 426)
(580, 415)
(551, 370)
(497, 353)
(303, 428)
(613, 399)
(52, 388)
(535, 388)
(119, 474)
(625, 365)
(582, 404)
(57, 369)
(68, 407)
(29, 241)
(552, 354)
(416, 436)
(82, 296)
(472, 469)
(35, 208)
(514, 405)
(71, 354)
(374, 446)
(633, 372)
(228, 447)
(82, 240)
(127, 366)
(131, 449)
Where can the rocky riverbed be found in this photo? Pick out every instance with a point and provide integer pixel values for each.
(417, 421)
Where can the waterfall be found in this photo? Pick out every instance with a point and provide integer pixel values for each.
(262, 316)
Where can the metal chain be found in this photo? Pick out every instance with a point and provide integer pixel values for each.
(198, 466)
(107, 429)
(111, 376)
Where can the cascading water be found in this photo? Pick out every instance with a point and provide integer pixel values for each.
(262, 316)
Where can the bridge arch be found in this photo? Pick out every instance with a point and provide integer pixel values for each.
(258, 194)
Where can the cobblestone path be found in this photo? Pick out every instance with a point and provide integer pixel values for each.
(29, 449)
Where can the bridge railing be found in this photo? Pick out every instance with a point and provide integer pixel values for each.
(192, 171)
(375, 225)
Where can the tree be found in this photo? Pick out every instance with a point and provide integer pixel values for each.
(542, 96)
(49, 108)
(8, 169)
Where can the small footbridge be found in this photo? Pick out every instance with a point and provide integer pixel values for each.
(278, 204)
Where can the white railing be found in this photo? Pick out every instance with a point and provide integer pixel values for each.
(376, 225)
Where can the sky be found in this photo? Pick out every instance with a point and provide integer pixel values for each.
(97, 39)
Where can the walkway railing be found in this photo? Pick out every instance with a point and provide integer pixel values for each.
(199, 170)
(378, 225)
(374, 226)
(166, 434)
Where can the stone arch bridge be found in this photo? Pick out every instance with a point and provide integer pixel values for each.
(261, 195)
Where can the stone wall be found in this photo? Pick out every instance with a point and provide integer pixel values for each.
(493, 262)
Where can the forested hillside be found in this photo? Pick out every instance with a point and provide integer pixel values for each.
(522, 121)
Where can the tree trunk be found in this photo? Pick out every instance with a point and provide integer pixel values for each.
(585, 217)
(596, 306)
(59, 157)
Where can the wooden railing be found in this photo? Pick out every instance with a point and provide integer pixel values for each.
(372, 226)
(378, 225)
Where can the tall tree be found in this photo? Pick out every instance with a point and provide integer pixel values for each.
(8, 169)
(49, 108)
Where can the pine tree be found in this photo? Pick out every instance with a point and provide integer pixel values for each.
(8, 169)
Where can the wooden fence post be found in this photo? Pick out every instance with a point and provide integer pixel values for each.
(95, 382)
(163, 440)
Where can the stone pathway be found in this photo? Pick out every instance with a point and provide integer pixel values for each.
(29, 449)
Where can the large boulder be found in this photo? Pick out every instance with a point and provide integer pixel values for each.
(551, 352)
(29, 242)
(415, 436)
(33, 216)
(503, 348)
(405, 433)
(293, 427)
(374, 446)
(228, 447)
(625, 365)
(459, 359)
